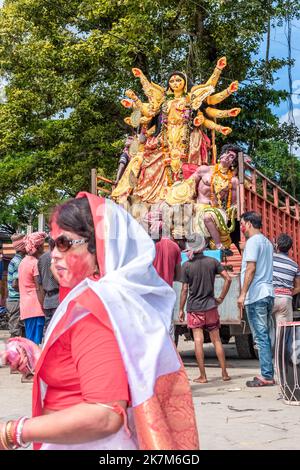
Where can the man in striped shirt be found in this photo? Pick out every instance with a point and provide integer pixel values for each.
(286, 279)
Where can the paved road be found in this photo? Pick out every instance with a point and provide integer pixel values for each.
(233, 416)
(229, 415)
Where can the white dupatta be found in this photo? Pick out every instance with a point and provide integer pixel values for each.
(138, 302)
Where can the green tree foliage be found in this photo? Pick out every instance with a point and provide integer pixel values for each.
(276, 162)
(20, 211)
(67, 64)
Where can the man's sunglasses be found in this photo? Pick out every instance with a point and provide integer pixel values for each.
(63, 243)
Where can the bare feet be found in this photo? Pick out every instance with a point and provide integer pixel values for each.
(226, 377)
(201, 380)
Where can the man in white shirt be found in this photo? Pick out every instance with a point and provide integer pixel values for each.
(257, 295)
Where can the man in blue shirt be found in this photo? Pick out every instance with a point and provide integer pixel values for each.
(15, 325)
(257, 295)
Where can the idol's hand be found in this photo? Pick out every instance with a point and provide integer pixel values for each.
(233, 87)
(198, 120)
(226, 130)
(222, 63)
(131, 95)
(234, 112)
(126, 103)
(137, 72)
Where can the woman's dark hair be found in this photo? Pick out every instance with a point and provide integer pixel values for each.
(186, 79)
(75, 216)
(253, 217)
(284, 243)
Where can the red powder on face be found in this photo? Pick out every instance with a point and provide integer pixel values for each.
(79, 266)
(74, 265)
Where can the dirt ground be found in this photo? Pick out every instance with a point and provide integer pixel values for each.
(229, 414)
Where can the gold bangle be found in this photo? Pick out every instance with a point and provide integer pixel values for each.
(3, 440)
(8, 434)
(7, 431)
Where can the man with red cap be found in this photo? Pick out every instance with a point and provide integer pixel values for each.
(16, 326)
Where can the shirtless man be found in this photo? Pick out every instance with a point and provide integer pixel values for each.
(203, 176)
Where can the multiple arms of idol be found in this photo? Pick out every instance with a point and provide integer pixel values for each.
(199, 94)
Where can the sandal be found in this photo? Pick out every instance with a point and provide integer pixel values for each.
(259, 382)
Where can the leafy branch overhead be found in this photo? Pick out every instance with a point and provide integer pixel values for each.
(65, 66)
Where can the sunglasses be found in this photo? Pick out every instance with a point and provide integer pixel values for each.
(63, 243)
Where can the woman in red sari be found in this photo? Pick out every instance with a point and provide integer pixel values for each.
(108, 376)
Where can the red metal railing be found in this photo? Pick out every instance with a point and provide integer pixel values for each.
(280, 211)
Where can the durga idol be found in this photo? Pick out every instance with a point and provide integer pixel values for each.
(173, 124)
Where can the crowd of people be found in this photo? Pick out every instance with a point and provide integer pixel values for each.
(268, 283)
(96, 311)
(32, 289)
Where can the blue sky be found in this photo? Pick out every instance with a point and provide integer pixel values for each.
(279, 49)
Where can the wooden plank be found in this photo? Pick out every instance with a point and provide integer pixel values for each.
(94, 181)
(254, 187)
(287, 204)
(264, 211)
(284, 222)
(265, 189)
(256, 209)
(240, 200)
(294, 239)
(275, 196)
(270, 223)
(103, 190)
(106, 180)
(277, 221)
(241, 167)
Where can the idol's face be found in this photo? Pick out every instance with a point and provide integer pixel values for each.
(228, 158)
(176, 83)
